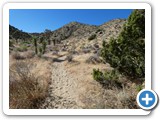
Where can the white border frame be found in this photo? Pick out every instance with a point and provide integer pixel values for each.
(8, 6)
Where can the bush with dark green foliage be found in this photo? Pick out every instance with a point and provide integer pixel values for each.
(111, 75)
(108, 79)
(127, 52)
(93, 36)
(97, 75)
(99, 30)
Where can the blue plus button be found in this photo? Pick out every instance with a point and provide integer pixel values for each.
(147, 99)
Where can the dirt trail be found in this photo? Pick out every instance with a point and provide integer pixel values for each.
(72, 86)
(62, 92)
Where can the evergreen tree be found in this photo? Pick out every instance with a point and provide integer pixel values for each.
(127, 51)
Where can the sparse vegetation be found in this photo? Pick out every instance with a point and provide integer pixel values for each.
(28, 88)
(21, 48)
(94, 59)
(44, 47)
(17, 56)
(18, 34)
(40, 51)
(108, 79)
(139, 87)
(99, 31)
(26, 42)
(35, 45)
(93, 36)
(86, 50)
(10, 43)
(69, 58)
(47, 69)
(126, 100)
(29, 54)
(54, 42)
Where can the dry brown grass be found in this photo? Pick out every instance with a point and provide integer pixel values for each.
(108, 99)
(29, 82)
(98, 97)
(17, 56)
(22, 55)
(29, 54)
(126, 100)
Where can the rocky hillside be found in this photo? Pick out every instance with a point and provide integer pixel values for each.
(112, 28)
(74, 30)
(16, 34)
(80, 31)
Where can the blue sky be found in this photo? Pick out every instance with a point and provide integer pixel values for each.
(37, 20)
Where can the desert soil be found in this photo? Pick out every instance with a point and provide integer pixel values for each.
(72, 85)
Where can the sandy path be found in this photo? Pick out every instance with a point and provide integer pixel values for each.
(72, 86)
(62, 91)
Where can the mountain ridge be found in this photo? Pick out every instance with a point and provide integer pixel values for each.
(75, 30)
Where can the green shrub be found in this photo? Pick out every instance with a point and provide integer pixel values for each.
(97, 75)
(92, 37)
(21, 48)
(111, 75)
(139, 87)
(100, 31)
(108, 79)
(127, 52)
(25, 42)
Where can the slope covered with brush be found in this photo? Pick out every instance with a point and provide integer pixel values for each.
(127, 52)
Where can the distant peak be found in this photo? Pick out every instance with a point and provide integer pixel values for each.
(75, 23)
(79, 23)
(119, 20)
